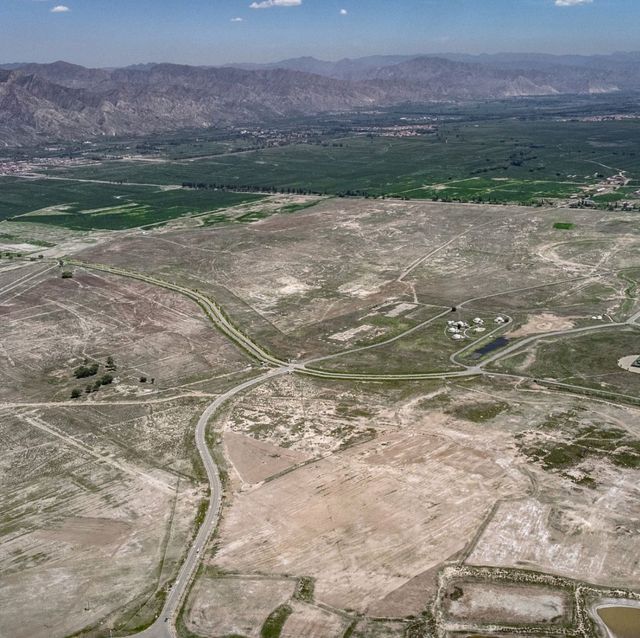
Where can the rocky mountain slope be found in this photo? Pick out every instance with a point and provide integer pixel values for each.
(64, 101)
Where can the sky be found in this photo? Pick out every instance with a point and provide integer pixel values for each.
(209, 32)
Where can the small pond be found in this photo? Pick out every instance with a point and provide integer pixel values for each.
(622, 622)
(499, 342)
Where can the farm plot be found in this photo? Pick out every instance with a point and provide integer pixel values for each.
(537, 157)
(406, 491)
(90, 206)
(225, 606)
(488, 603)
(102, 490)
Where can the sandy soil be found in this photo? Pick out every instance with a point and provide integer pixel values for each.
(536, 535)
(348, 335)
(51, 325)
(379, 629)
(405, 493)
(543, 322)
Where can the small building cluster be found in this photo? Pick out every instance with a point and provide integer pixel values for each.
(458, 329)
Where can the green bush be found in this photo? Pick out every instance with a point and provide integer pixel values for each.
(275, 622)
(86, 371)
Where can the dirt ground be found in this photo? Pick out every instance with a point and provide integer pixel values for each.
(543, 322)
(50, 326)
(305, 298)
(227, 606)
(311, 621)
(443, 479)
(370, 489)
(99, 493)
(83, 535)
(370, 519)
(508, 604)
(255, 460)
(562, 541)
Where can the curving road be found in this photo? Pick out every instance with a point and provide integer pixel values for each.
(163, 627)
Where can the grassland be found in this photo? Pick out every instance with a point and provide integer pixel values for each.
(589, 361)
(90, 206)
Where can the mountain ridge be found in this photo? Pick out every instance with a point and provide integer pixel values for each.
(61, 101)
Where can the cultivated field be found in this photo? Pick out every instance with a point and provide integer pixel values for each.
(537, 158)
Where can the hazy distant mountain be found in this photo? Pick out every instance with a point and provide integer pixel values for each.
(67, 101)
(345, 69)
(437, 78)
(625, 67)
(11, 66)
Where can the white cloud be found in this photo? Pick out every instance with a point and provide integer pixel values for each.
(343, 12)
(60, 8)
(267, 4)
(237, 19)
(571, 3)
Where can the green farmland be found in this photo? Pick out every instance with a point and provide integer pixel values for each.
(89, 206)
(509, 160)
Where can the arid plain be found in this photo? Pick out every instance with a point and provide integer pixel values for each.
(452, 448)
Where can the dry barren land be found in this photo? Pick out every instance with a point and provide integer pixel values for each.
(451, 447)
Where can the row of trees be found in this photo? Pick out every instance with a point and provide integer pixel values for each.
(273, 190)
(251, 188)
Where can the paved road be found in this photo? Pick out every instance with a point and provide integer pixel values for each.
(163, 627)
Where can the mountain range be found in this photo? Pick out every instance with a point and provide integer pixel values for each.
(62, 101)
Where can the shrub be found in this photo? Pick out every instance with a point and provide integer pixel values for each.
(86, 371)
(75, 393)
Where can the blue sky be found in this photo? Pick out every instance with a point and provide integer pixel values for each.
(119, 32)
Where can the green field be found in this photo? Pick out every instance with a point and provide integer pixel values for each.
(497, 190)
(88, 206)
(510, 160)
